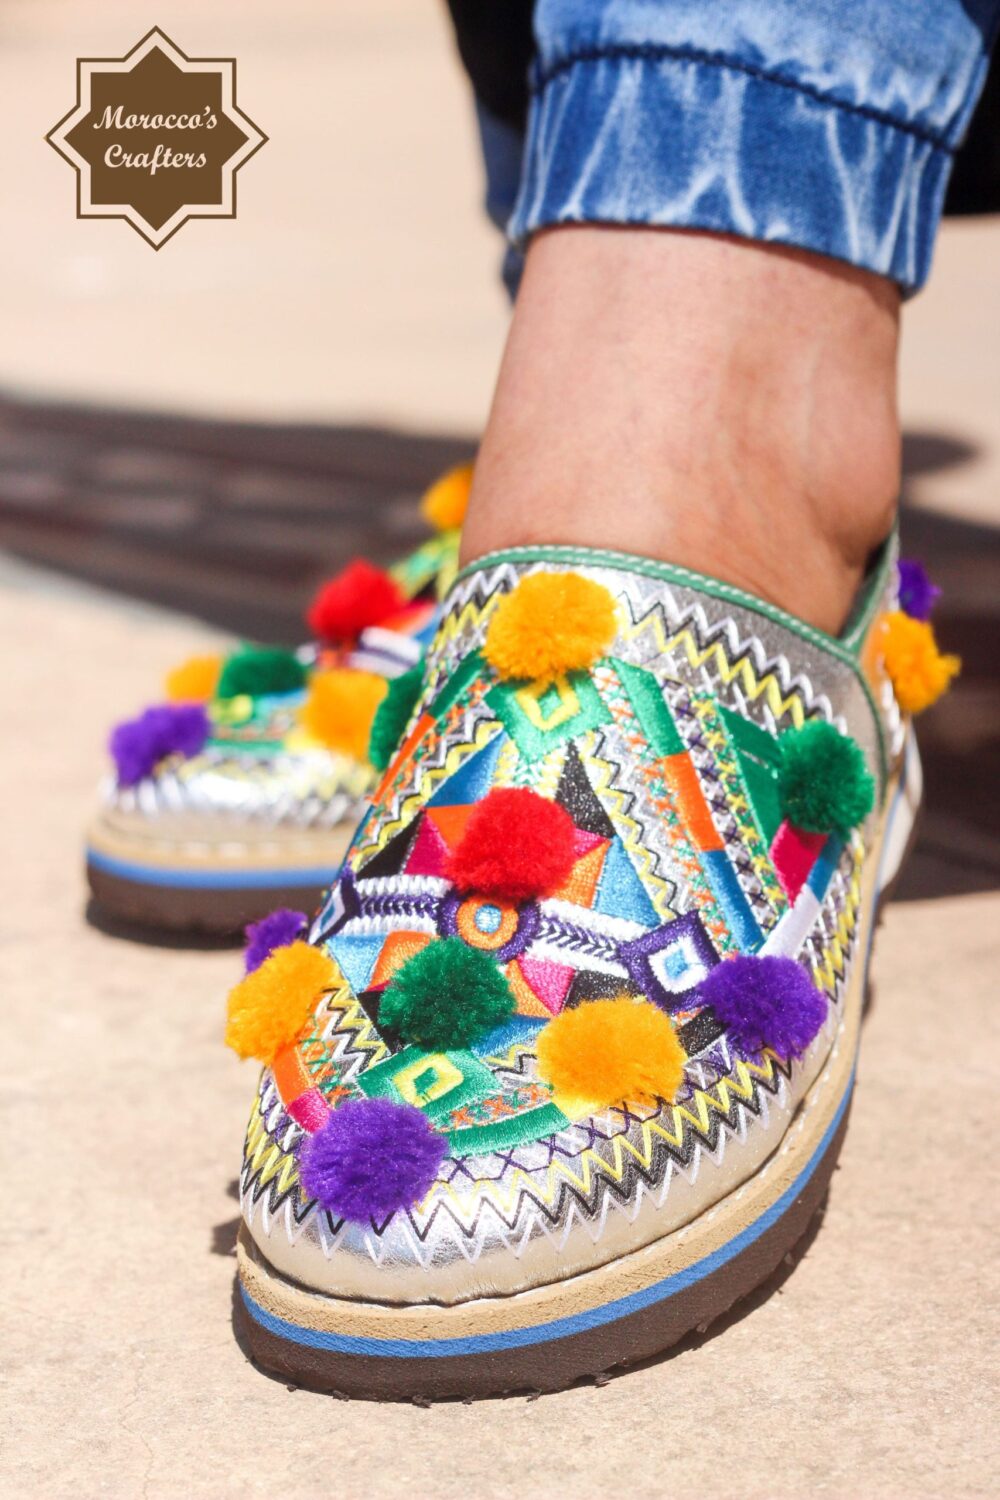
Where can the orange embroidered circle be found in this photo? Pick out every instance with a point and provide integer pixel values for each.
(486, 924)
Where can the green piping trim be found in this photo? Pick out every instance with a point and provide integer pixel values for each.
(842, 650)
(872, 592)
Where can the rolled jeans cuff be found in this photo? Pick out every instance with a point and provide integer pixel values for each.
(676, 137)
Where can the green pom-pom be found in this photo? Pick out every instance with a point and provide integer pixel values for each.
(393, 715)
(824, 783)
(257, 670)
(447, 995)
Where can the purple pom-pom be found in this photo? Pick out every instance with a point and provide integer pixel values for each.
(764, 1002)
(276, 930)
(371, 1158)
(138, 745)
(917, 595)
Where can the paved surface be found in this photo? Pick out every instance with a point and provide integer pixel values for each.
(145, 508)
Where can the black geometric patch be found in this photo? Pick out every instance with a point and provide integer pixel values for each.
(700, 1032)
(577, 796)
(391, 859)
(588, 984)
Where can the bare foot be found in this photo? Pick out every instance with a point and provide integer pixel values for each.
(701, 399)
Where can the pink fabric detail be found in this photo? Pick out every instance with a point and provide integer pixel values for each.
(429, 852)
(794, 853)
(583, 842)
(309, 1110)
(549, 981)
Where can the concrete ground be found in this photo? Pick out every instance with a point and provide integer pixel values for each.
(187, 441)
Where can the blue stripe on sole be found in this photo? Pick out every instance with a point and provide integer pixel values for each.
(559, 1328)
(213, 880)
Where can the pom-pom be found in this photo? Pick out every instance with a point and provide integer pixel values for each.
(370, 1158)
(823, 781)
(918, 671)
(393, 715)
(445, 503)
(445, 996)
(917, 595)
(269, 1008)
(764, 1002)
(276, 930)
(258, 670)
(195, 680)
(549, 624)
(609, 1051)
(516, 845)
(360, 595)
(138, 745)
(341, 707)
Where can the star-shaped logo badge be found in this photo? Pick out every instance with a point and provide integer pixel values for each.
(156, 138)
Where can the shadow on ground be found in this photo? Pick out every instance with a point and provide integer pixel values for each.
(236, 523)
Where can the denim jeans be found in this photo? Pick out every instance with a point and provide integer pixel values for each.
(828, 125)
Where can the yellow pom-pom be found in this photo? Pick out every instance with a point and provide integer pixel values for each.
(608, 1051)
(195, 680)
(549, 624)
(340, 708)
(919, 672)
(269, 1008)
(445, 503)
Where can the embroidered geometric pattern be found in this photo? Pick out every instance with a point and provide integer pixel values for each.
(663, 757)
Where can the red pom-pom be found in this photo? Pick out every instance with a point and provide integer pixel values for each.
(359, 596)
(516, 845)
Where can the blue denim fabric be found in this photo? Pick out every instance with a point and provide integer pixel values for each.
(828, 125)
(503, 155)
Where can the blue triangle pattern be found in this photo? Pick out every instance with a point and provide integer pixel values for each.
(357, 956)
(473, 779)
(620, 892)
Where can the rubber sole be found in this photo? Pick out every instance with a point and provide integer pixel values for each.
(213, 894)
(217, 912)
(634, 1307)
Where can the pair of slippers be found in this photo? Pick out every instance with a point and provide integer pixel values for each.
(561, 1066)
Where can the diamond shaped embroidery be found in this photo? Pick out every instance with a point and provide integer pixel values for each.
(669, 963)
(436, 1082)
(540, 718)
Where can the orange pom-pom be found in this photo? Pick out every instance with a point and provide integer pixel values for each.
(360, 595)
(269, 1008)
(340, 709)
(445, 503)
(919, 672)
(549, 624)
(609, 1051)
(195, 680)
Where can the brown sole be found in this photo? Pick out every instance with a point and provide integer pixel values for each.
(218, 912)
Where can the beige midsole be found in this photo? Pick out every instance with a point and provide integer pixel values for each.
(244, 849)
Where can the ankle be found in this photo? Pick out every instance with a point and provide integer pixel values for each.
(719, 405)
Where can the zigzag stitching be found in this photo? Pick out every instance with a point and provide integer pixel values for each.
(832, 963)
(714, 1117)
(402, 813)
(745, 660)
(355, 1030)
(726, 769)
(616, 804)
(462, 728)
